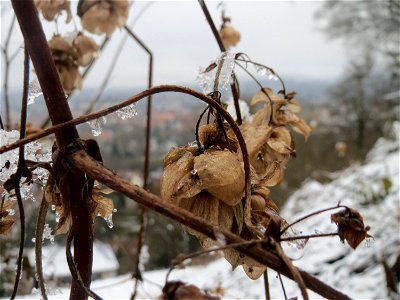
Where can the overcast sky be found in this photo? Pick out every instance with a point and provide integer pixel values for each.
(281, 34)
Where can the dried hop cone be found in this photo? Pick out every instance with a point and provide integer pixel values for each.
(103, 16)
(52, 8)
(69, 53)
(230, 37)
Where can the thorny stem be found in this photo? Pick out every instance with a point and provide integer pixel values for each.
(38, 245)
(310, 215)
(20, 169)
(97, 171)
(146, 158)
(222, 48)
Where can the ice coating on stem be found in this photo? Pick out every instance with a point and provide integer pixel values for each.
(127, 112)
(263, 71)
(96, 125)
(206, 79)
(34, 91)
(9, 160)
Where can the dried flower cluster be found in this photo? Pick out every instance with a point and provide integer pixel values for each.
(229, 35)
(69, 53)
(103, 16)
(210, 183)
(52, 8)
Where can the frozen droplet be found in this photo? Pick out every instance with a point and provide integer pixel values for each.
(109, 221)
(127, 112)
(10, 212)
(96, 125)
(114, 210)
(220, 238)
(57, 217)
(272, 76)
(193, 144)
(53, 207)
(34, 240)
(193, 172)
(261, 70)
(34, 91)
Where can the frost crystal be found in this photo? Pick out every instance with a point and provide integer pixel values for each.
(34, 91)
(127, 112)
(96, 125)
(47, 233)
(8, 162)
(206, 79)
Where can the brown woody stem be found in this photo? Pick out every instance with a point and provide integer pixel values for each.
(59, 112)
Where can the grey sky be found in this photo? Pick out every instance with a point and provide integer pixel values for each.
(280, 34)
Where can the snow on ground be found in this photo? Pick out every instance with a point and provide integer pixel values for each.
(372, 188)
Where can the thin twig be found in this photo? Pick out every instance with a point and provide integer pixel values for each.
(268, 68)
(74, 271)
(20, 169)
(146, 159)
(310, 236)
(266, 285)
(222, 48)
(282, 285)
(310, 215)
(7, 61)
(38, 245)
(181, 258)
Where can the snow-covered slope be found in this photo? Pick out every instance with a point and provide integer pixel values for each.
(371, 188)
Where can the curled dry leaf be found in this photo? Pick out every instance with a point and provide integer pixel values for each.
(103, 16)
(177, 290)
(101, 206)
(6, 221)
(350, 226)
(229, 36)
(52, 8)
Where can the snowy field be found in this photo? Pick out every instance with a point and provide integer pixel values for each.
(358, 273)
